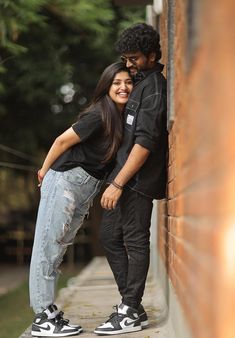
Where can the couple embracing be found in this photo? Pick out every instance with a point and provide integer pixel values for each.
(120, 138)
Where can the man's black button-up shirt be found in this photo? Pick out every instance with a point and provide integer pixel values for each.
(145, 123)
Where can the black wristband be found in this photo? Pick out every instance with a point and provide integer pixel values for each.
(120, 187)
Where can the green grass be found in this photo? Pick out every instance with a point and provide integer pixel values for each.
(15, 312)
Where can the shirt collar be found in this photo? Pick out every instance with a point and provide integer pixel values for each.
(140, 75)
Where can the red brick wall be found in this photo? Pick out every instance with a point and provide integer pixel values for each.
(197, 242)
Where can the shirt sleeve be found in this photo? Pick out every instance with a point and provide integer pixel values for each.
(88, 125)
(150, 121)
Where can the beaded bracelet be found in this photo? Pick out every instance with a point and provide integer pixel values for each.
(117, 185)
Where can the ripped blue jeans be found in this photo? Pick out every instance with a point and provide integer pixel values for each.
(65, 201)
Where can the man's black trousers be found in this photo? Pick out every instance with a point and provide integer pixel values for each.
(125, 233)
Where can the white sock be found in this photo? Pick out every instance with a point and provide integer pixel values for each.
(51, 315)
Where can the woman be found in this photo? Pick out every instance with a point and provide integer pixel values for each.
(70, 177)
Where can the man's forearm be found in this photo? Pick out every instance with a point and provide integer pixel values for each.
(135, 161)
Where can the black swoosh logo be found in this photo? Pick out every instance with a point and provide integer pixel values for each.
(44, 328)
(126, 323)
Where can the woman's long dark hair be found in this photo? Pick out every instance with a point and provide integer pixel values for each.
(111, 116)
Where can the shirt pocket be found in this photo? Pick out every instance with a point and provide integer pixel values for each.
(131, 114)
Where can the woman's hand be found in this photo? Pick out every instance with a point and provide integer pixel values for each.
(40, 177)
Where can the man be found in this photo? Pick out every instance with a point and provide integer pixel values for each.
(139, 177)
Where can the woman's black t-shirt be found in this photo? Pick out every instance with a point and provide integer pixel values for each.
(90, 152)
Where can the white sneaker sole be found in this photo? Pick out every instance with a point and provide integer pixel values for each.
(124, 330)
(144, 324)
(48, 334)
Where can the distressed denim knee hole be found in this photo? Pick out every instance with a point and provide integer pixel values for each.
(49, 272)
(67, 236)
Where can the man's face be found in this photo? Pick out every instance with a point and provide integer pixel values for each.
(138, 61)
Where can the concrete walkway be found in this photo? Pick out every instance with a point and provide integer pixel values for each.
(89, 297)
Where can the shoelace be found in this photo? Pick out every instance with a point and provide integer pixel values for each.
(59, 319)
(115, 307)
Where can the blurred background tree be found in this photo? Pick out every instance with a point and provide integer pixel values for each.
(51, 56)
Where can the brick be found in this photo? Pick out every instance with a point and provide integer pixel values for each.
(201, 182)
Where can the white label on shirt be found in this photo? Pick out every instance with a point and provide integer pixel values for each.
(130, 119)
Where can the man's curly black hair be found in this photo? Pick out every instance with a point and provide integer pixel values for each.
(140, 37)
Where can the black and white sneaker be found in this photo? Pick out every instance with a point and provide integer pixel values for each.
(141, 312)
(52, 324)
(143, 317)
(126, 319)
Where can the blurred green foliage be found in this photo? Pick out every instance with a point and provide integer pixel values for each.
(44, 46)
(52, 53)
